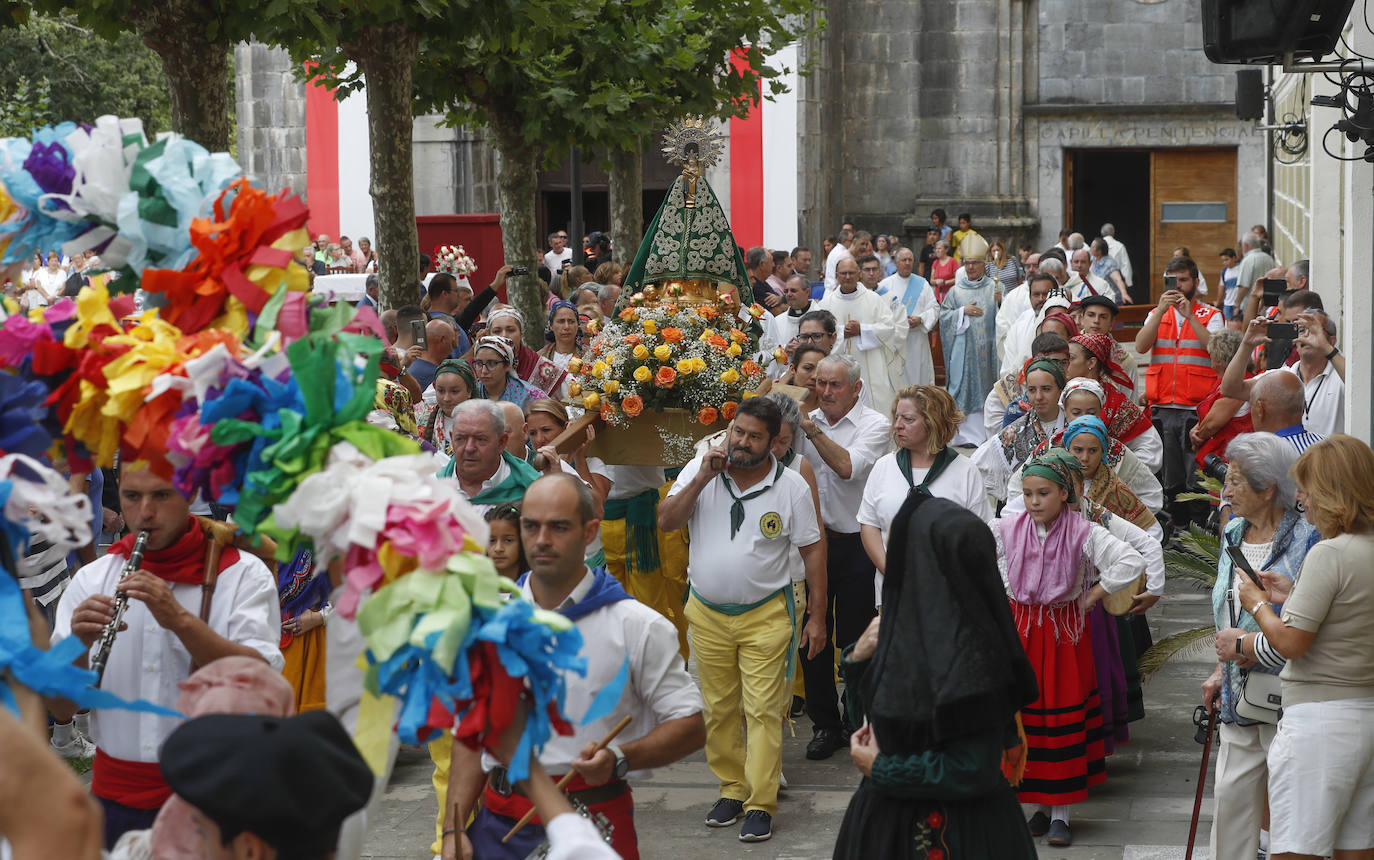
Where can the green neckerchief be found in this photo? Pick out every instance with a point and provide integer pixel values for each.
(942, 461)
(789, 457)
(737, 506)
(741, 608)
(640, 514)
(512, 489)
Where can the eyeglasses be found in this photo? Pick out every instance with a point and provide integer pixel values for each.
(811, 337)
(487, 364)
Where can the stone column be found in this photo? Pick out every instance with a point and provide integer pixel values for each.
(270, 106)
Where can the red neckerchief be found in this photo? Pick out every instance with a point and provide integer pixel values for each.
(183, 562)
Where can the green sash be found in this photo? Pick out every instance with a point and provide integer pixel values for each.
(946, 456)
(512, 489)
(640, 514)
(741, 608)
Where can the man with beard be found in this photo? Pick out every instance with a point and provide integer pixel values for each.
(1180, 374)
(745, 512)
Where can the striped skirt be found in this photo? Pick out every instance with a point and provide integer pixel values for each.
(1064, 726)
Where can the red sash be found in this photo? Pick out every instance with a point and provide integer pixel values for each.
(135, 784)
(619, 812)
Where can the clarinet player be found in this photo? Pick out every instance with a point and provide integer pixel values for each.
(166, 631)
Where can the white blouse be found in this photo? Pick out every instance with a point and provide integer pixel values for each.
(1117, 562)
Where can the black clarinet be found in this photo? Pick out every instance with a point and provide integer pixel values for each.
(107, 636)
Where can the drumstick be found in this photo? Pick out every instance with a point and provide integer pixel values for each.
(567, 777)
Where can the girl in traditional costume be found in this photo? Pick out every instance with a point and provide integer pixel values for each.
(1085, 397)
(1091, 356)
(1000, 456)
(1056, 565)
(564, 338)
(529, 366)
(940, 692)
(454, 382)
(493, 359)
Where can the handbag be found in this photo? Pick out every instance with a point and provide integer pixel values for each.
(1259, 695)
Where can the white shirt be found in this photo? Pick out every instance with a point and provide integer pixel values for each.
(865, 434)
(659, 688)
(148, 662)
(992, 461)
(628, 481)
(1324, 399)
(837, 253)
(1117, 251)
(886, 491)
(1014, 303)
(755, 562)
(554, 261)
(1017, 346)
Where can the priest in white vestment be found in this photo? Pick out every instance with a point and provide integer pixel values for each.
(915, 297)
(874, 332)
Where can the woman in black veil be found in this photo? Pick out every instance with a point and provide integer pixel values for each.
(939, 682)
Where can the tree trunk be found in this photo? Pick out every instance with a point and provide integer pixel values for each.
(517, 183)
(626, 203)
(386, 56)
(196, 67)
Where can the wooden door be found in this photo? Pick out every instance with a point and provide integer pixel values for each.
(1192, 203)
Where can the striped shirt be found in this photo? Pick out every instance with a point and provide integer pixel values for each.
(1299, 436)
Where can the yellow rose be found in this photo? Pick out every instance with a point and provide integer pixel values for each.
(685, 366)
(698, 364)
(662, 351)
(574, 364)
(591, 401)
(733, 350)
(641, 352)
(611, 386)
(705, 336)
(575, 388)
(599, 369)
(643, 374)
(650, 327)
(730, 377)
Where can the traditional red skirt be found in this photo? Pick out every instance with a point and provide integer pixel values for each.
(1064, 726)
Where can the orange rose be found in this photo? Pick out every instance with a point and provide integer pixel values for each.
(672, 335)
(727, 410)
(708, 415)
(607, 412)
(632, 405)
(670, 309)
(665, 377)
(629, 314)
(738, 336)
(633, 339)
(718, 342)
(749, 368)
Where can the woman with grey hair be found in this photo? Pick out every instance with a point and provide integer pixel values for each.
(1273, 536)
(1219, 419)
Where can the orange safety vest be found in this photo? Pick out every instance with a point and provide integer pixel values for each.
(1180, 371)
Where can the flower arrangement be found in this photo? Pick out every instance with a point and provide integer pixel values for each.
(454, 260)
(661, 352)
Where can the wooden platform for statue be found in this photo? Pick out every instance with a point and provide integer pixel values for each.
(666, 438)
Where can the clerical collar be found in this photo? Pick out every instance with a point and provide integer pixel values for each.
(792, 312)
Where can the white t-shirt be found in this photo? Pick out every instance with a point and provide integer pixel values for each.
(754, 562)
(886, 492)
(1323, 397)
(555, 261)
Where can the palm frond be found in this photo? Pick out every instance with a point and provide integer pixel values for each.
(1189, 643)
(1197, 497)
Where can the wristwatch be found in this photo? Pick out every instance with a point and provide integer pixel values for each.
(1240, 645)
(622, 764)
(1335, 351)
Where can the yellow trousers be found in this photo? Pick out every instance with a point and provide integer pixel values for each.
(661, 590)
(439, 751)
(304, 669)
(741, 662)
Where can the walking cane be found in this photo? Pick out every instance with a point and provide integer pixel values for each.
(1206, 726)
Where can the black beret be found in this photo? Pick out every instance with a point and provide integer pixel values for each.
(289, 780)
(1100, 300)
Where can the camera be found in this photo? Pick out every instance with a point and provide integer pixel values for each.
(519, 270)
(1214, 466)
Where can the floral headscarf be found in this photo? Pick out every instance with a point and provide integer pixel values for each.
(1103, 348)
(500, 346)
(1082, 383)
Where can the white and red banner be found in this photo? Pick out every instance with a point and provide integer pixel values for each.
(762, 203)
(336, 165)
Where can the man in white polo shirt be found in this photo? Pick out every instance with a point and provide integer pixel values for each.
(844, 438)
(745, 512)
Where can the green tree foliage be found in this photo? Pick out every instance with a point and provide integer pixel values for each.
(53, 69)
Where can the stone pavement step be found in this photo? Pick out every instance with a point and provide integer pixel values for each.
(1141, 813)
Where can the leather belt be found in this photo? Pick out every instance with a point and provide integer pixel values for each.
(501, 784)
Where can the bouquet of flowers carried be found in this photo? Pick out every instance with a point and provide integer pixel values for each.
(454, 260)
(665, 352)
